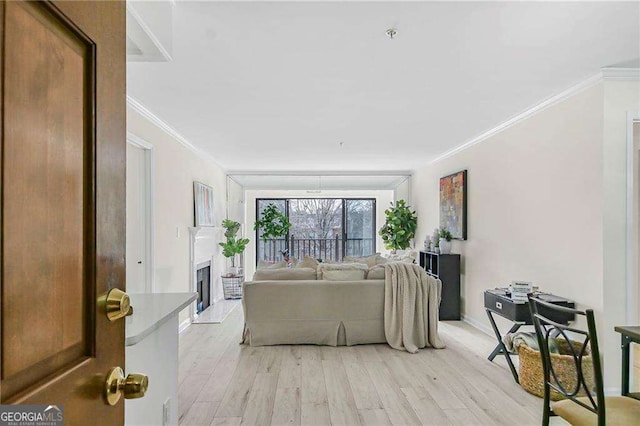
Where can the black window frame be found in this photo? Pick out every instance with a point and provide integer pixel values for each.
(343, 201)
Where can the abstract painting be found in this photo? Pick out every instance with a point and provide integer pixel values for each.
(203, 200)
(453, 204)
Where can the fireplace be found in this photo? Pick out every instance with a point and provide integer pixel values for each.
(203, 286)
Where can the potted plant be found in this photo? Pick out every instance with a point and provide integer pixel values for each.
(445, 241)
(400, 226)
(233, 246)
(273, 224)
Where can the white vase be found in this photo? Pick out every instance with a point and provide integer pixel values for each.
(445, 246)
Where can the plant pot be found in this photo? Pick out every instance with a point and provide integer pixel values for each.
(445, 246)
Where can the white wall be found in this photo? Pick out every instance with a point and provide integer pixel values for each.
(176, 167)
(619, 98)
(403, 191)
(383, 200)
(534, 205)
(546, 203)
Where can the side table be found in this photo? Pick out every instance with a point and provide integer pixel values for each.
(629, 334)
(497, 301)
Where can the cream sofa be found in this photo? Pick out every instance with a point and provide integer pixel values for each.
(310, 311)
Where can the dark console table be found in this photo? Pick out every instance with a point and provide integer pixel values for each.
(497, 301)
(445, 267)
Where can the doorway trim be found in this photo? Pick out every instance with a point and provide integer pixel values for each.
(632, 225)
(149, 173)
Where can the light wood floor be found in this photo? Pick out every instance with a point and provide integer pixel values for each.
(224, 383)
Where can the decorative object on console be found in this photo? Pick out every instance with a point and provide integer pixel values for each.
(519, 291)
(233, 246)
(445, 241)
(399, 227)
(273, 224)
(203, 204)
(453, 204)
(427, 243)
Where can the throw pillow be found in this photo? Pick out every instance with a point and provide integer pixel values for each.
(376, 273)
(308, 262)
(369, 260)
(341, 267)
(343, 275)
(285, 274)
(266, 265)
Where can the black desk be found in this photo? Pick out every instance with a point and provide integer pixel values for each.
(629, 334)
(497, 301)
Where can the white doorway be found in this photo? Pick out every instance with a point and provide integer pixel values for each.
(139, 246)
(633, 237)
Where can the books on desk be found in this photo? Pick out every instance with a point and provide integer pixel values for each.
(519, 291)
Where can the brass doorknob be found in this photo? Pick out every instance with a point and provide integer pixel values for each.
(133, 386)
(118, 304)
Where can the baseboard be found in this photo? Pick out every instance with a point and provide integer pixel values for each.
(612, 391)
(184, 325)
(477, 324)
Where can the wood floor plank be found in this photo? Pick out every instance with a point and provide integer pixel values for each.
(218, 382)
(425, 407)
(188, 391)
(342, 406)
(286, 408)
(290, 368)
(463, 416)
(237, 394)
(364, 392)
(226, 421)
(315, 414)
(261, 399)
(374, 417)
(200, 414)
(313, 388)
(393, 400)
(271, 360)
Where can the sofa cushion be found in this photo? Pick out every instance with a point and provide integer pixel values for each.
(376, 273)
(266, 265)
(370, 261)
(284, 274)
(343, 274)
(342, 267)
(308, 262)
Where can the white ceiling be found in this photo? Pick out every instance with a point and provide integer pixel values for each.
(277, 86)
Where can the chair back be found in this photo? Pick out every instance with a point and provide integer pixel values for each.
(546, 330)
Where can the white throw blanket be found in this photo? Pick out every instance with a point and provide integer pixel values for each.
(411, 306)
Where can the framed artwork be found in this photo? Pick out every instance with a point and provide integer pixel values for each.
(203, 204)
(453, 204)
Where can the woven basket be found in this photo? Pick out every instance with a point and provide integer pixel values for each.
(532, 376)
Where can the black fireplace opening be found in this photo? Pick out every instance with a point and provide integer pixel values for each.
(203, 286)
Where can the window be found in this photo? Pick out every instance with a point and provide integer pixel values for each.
(322, 228)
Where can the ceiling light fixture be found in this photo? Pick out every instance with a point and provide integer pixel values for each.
(391, 32)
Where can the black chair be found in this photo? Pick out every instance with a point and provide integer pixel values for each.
(594, 408)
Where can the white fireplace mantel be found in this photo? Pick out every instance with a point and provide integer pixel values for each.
(204, 247)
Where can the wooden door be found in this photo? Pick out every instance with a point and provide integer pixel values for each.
(63, 203)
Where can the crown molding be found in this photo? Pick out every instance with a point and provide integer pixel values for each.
(146, 113)
(549, 102)
(399, 173)
(621, 74)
